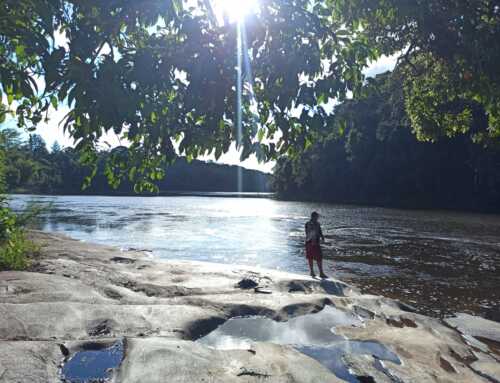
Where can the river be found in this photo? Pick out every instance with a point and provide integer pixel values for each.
(440, 262)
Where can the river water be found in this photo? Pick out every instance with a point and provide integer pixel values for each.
(439, 262)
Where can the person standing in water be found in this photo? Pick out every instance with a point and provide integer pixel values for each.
(314, 236)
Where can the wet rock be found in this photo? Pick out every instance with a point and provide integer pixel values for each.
(362, 368)
(247, 284)
(333, 287)
(406, 307)
(400, 322)
(464, 356)
(202, 327)
(233, 311)
(363, 312)
(475, 343)
(133, 249)
(447, 366)
(365, 379)
(312, 286)
(296, 286)
(99, 327)
(245, 372)
(493, 346)
(348, 360)
(124, 260)
(299, 309)
(64, 350)
(113, 294)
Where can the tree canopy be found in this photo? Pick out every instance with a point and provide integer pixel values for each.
(372, 158)
(161, 74)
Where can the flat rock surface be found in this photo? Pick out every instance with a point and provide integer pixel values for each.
(476, 326)
(83, 298)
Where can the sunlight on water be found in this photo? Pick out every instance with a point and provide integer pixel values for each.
(312, 334)
(433, 256)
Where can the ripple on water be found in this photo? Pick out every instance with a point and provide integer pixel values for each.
(312, 334)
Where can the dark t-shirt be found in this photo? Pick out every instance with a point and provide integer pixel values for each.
(313, 232)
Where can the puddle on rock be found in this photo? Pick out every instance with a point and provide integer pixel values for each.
(332, 356)
(93, 363)
(312, 334)
(311, 329)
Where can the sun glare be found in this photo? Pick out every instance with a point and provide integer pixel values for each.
(236, 10)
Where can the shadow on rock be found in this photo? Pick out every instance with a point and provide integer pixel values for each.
(323, 286)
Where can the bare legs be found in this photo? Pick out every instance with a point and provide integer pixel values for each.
(311, 266)
(320, 267)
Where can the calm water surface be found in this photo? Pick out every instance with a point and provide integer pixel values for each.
(441, 262)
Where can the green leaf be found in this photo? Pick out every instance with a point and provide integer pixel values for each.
(53, 101)
(260, 134)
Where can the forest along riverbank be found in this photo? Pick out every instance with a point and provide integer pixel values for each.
(131, 318)
(440, 262)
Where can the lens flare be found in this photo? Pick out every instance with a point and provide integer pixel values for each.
(236, 10)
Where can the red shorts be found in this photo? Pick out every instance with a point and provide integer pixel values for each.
(313, 250)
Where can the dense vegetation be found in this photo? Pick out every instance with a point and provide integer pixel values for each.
(14, 247)
(372, 157)
(162, 71)
(31, 168)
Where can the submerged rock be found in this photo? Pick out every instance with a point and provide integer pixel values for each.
(191, 322)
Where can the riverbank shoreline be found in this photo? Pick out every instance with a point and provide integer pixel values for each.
(80, 295)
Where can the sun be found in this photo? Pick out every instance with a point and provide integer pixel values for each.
(236, 10)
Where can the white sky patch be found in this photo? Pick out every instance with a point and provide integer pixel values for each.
(52, 130)
(232, 157)
(382, 65)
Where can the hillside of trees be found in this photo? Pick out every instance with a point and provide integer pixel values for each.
(371, 156)
(30, 167)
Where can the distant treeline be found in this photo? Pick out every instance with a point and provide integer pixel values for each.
(371, 156)
(32, 168)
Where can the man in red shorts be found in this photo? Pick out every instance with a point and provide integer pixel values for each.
(313, 249)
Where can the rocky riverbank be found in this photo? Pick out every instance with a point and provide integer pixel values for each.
(91, 312)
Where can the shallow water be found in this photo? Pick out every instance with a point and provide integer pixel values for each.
(93, 363)
(440, 262)
(312, 334)
(307, 330)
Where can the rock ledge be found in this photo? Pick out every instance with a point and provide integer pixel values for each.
(82, 297)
